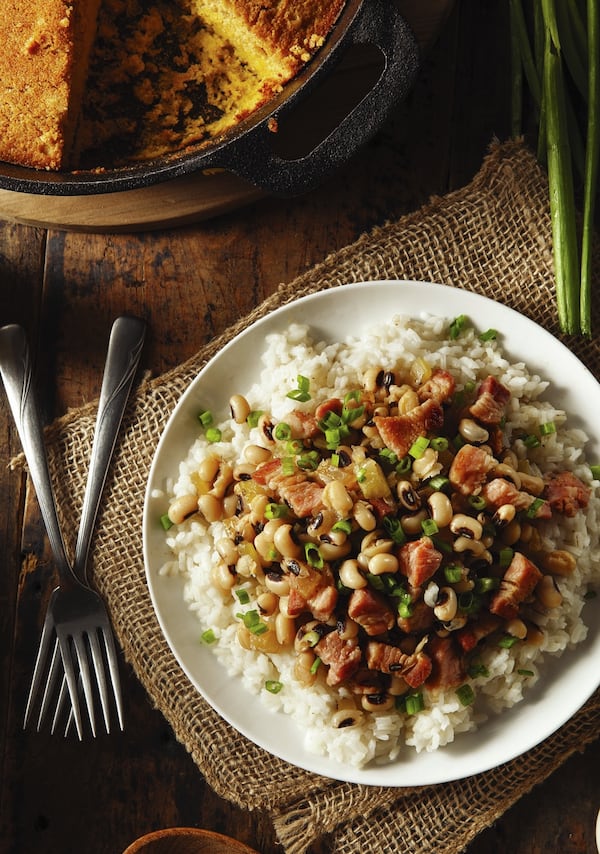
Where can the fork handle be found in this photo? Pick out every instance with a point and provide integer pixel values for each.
(122, 359)
(16, 371)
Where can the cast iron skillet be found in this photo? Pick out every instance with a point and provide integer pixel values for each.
(248, 150)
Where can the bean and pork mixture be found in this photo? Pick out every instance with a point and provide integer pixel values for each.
(385, 536)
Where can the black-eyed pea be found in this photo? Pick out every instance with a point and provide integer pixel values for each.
(504, 515)
(374, 544)
(239, 407)
(231, 505)
(277, 584)
(304, 668)
(285, 629)
(351, 576)
(466, 526)
(243, 471)
(377, 702)
(223, 480)
(535, 635)
(272, 526)
(408, 496)
(508, 473)
(373, 378)
(265, 428)
(345, 717)
(364, 516)
(182, 507)
(211, 507)
(408, 401)
(472, 432)
(222, 576)
(336, 497)
(258, 506)
(285, 543)
(411, 522)
(382, 563)
(447, 606)
(255, 454)
(267, 603)
(398, 686)
(517, 628)
(347, 629)
(559, 562)
(440, 508)
(333, 551)
(227, 550)
(265, 547)
(531, 483)
(322, 523)
(208, 468)
(548, 593)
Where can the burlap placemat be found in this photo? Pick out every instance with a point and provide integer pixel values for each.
(492, 237)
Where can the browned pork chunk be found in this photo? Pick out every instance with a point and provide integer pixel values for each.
(490, 405)
(399, 432)
(519, 582)
(439, 387)
(470, 468)
(343, 657)
(566, 494)
(371, 611)
(414, 668)
(447, 663)
(419, 560)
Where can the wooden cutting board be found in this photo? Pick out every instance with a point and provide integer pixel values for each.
(189, 198)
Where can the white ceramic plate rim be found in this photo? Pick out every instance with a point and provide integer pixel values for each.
(332, 314)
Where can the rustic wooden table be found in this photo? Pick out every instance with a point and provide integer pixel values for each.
(60, 796)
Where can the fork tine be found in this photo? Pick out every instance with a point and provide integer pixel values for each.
(40, 663)
(61, 707)
(99, 669)
(67, 660)
(51, 682)
(111, 657)
(84, 672)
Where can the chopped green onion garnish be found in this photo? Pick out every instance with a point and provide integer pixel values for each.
(276, 511)
(376, 581)
(477, 502)
(293, 447)
(166, 522)
(213, 434)
(243, 595)
(253, 417)
(282, 431)
(468, 602)
(595, 470)
(394, 529)
(476, 669)
(361, 475)
(505, 557)
(531, 441)
(404, 465)
(313, 555)
(484, 585)
(288, 466)
(343, 525)
(389, 456)
(405, 610)
(273, 686)
(301, 393)
(333, 437)
(335, 460)
(308, 461)
(507, 641)
(440, 443)
(456, 327)
(465, 694)
(315, 666)
(418, 447)
(205, 417)
(453, 574)
(523, 672)
(208, 636)
(414, 703)
(470, 386)
(438, 483)
(547, 428)
(488, 335)
(429, 527)
(534, 507)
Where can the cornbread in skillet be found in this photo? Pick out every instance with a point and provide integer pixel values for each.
(169, 73)
(43, 65)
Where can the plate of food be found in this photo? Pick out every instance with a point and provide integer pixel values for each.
(371, 533)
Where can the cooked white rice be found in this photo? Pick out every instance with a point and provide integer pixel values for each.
(334, 369)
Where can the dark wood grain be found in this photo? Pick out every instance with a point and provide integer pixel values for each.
(59, 796)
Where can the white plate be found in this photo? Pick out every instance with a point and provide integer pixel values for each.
(566, 682)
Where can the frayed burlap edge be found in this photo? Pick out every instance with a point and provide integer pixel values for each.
(492, 237)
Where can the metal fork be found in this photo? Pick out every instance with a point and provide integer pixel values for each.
(124, 351)
(76, 618)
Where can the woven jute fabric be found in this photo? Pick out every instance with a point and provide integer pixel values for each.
(492, 237)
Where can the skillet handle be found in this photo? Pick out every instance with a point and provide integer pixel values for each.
(251, 155)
